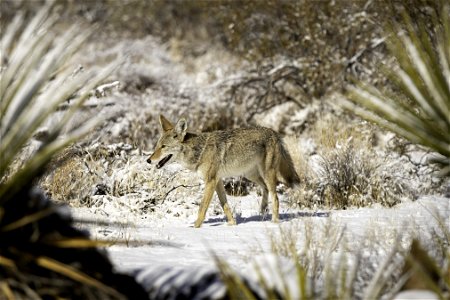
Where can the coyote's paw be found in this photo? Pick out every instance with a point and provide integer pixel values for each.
(231, 222)
(198, 223)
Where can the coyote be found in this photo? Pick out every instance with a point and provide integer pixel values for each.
(256, 153)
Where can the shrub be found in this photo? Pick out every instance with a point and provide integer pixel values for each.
(344, 177)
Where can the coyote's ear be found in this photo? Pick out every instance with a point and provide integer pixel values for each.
(165, 124)
(181, 128)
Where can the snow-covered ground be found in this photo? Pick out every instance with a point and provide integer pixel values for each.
(157, 240)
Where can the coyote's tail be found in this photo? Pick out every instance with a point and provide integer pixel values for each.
(286, 168)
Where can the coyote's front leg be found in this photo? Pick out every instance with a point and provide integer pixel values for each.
(210, 187)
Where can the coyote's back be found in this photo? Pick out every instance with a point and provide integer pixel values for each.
(244, 151)
(256, 153)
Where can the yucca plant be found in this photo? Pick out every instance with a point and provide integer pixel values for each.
(41, 254)
(34, 82)
(420, 109)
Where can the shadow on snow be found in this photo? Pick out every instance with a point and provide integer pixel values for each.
(216, 221)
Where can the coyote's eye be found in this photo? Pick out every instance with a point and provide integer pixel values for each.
(175, 136)
(163, 146)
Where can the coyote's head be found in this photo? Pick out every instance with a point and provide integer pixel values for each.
(169, 144)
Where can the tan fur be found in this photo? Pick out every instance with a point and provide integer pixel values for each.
(256, 153)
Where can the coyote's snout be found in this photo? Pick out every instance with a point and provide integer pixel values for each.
(162, 162)
(256, 153)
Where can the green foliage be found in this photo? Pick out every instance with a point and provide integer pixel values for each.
(419, 110)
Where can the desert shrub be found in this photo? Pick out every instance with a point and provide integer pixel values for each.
(344, 169)
(296, 50)
(303, 50)
(344, 176)
(354, 177)
(90, 172)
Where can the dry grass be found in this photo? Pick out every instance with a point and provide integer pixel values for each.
(319, 262)
(73, 179)
(68, 181)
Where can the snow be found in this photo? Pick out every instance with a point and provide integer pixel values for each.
(416, 294)
(166, 253)
(174, 242)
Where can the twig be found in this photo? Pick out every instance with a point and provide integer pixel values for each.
(178, 186)
(260, 90)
